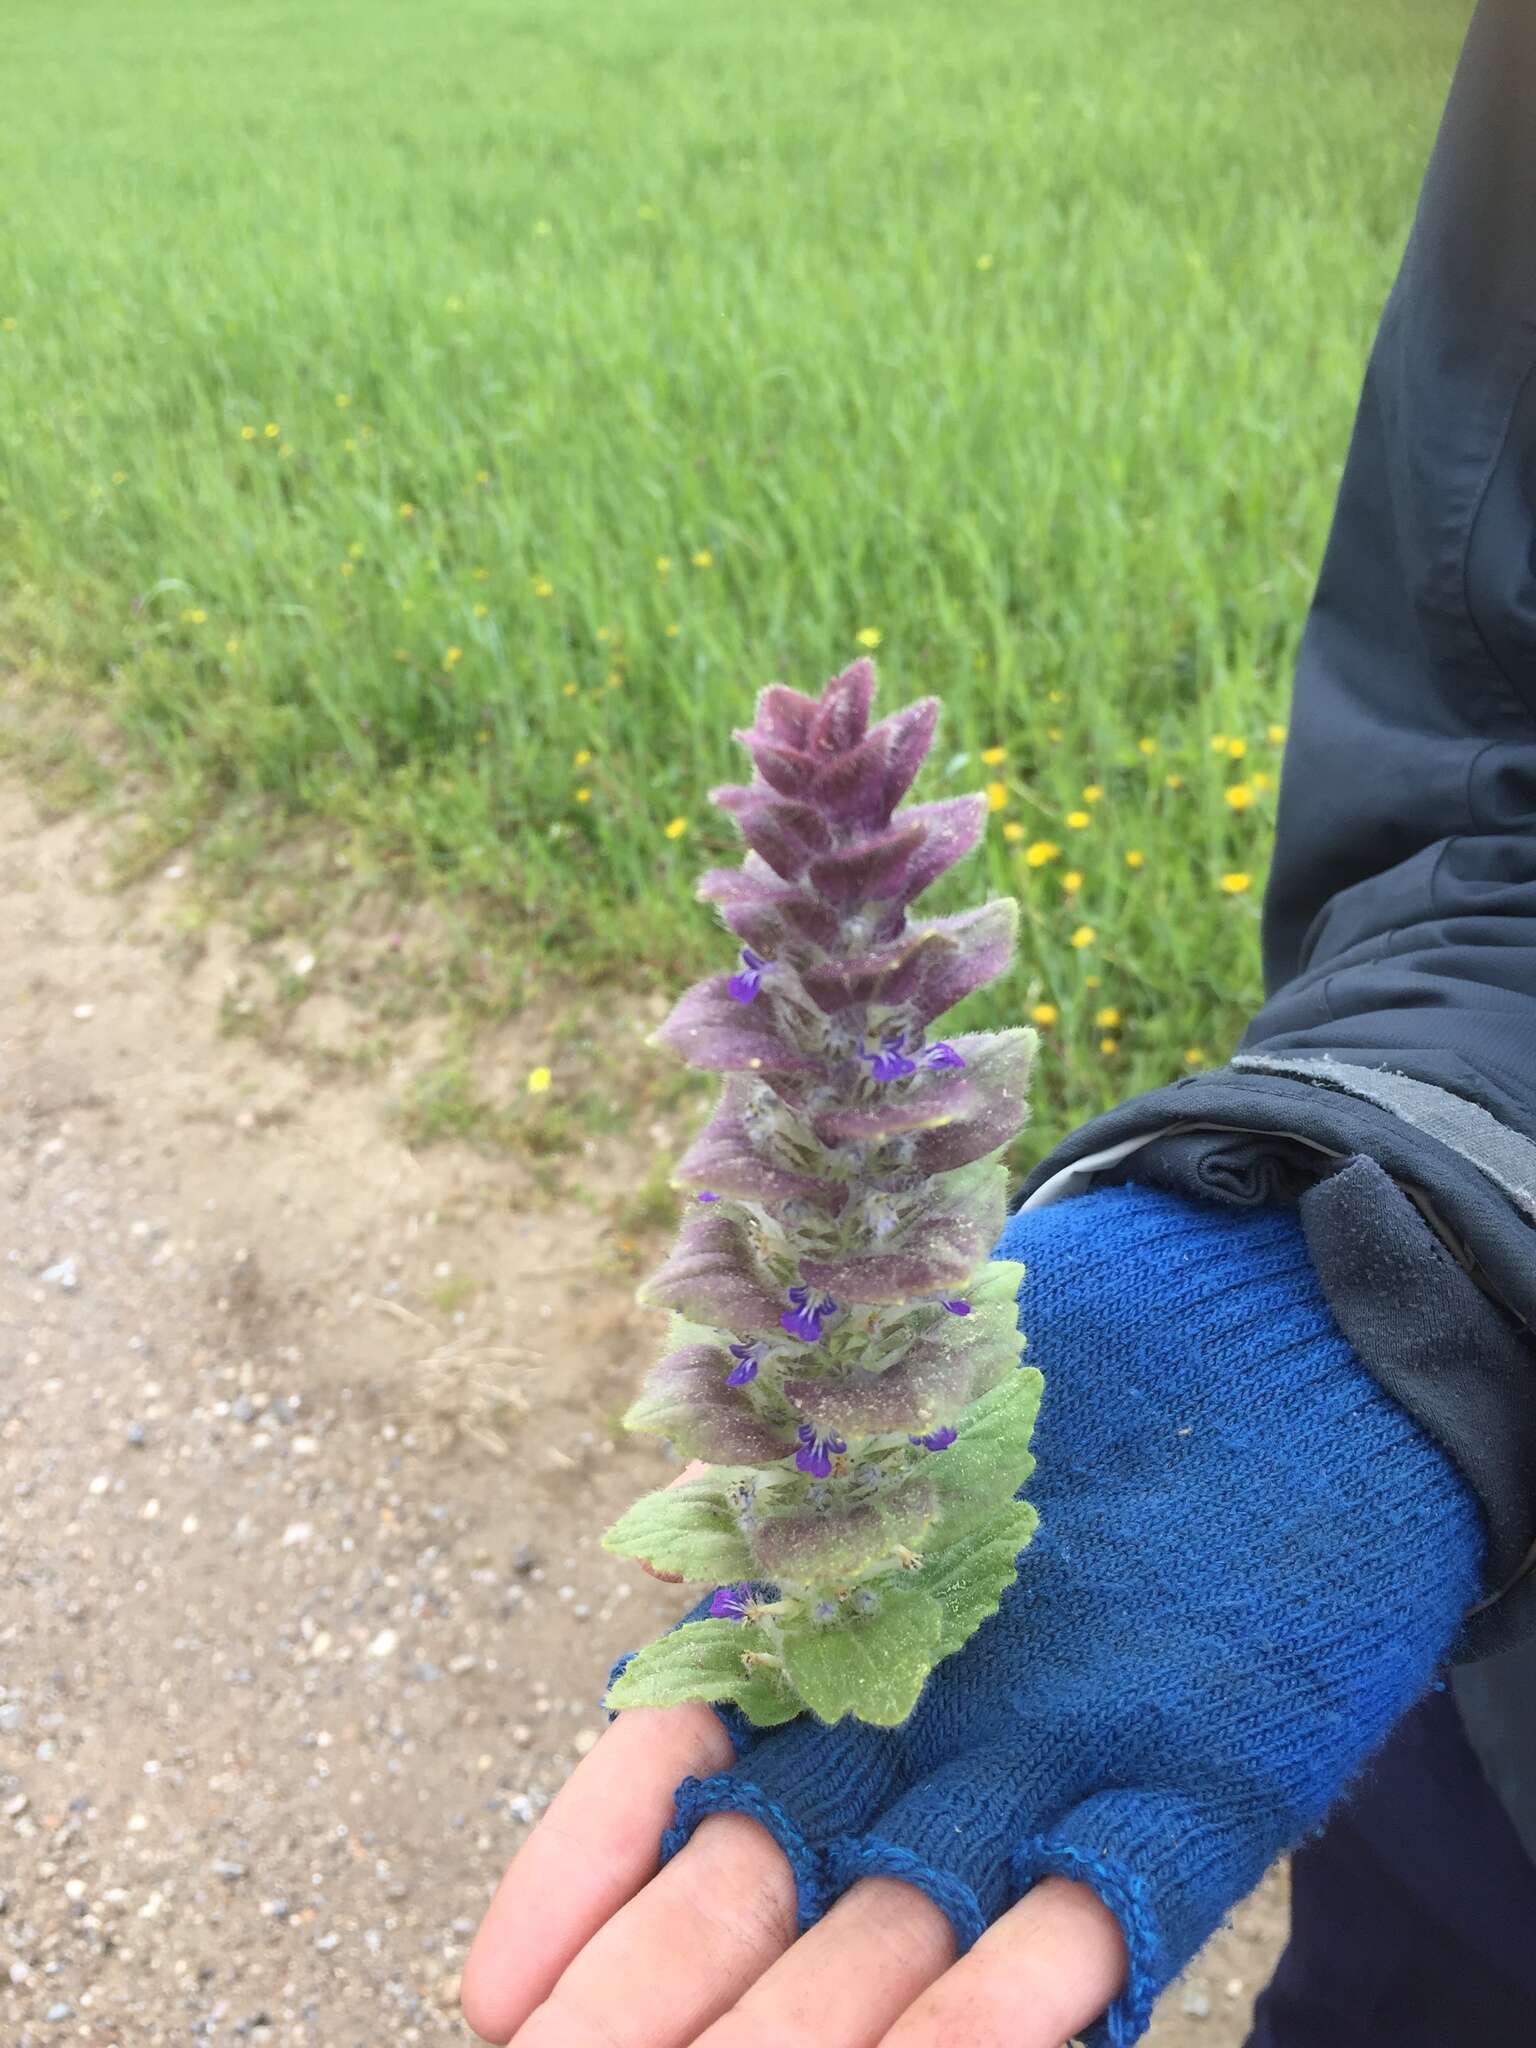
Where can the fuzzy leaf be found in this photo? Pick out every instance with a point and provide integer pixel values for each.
(702, 1661)
(759, 908)
(712, 1276)
(936, 1375)
(924, 972)
(724, 1158)
(934, 1252)
(873, 1666)
(785, 714)
(687, 1529)
(787, 835)
(990, 1460)
(969, 1578)
(870, 869)
(712, 1030)
(842, 715)
(687, 1400)
(806, 1545)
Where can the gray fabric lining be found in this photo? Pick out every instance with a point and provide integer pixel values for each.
(1507, 1158)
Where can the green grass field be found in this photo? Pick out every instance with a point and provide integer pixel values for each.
(438, 422)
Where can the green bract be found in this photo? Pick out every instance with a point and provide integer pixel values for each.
(844, 1351)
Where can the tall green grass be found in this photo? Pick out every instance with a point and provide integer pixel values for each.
(362, 365)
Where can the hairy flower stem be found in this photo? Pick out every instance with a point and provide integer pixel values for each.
(845, 1353)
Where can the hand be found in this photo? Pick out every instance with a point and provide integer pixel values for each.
(1249, 1563)
(586, 1946)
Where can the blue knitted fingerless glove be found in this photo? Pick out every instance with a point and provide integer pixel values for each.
(1248, 1565)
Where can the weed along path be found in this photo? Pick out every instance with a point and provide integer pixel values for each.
(306, 1439)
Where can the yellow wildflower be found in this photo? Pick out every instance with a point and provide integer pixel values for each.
(453, 657)
(583, 796)
(542, 587)
(350, 445)
(1239, 796)
(482, 476)
(343, 400)
(1044, 1013)
(1260, 780)
(539, 1080)
(1092, 793)
(1083, 936)
(271, 430)
(1013, 829)
(356, 550)
(196, 616)
(1276, 735)
(1108, 1019)
(1072, 881)
(581, 757)
(568, 689)
(407, 509)
(868, 636)
(1040, 852)
(1194, 1057)
(994, 756)
(1135, 858)
(1053, 697)
(676, 828)
(1091, 981)
(482, 611)
(997, 796)
(1218, 743)
(1108, 1045)
(349, 568)
(1078, 820)
(1147, 746)
(1234, 885)
(983, 262)
(703, 559)
(231, 646)
(480, 575)
(673, 631)
(1173, 782)
(663, 565)
(247, 433)
(1237, 748)
(1053, 734)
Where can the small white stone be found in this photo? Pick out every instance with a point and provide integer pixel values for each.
(84, 1012)
(384, 1643)
(175, 872)
(305, 964)
(297, 1532)
(75, 1888)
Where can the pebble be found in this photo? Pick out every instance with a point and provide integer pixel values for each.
(384, 1643)
(83, 1012)
(230, 1872)
(16, 1805)
(136, 1436)
(64, 1274)
(1197, 2004)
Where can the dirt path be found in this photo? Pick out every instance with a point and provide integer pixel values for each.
(289, 1664)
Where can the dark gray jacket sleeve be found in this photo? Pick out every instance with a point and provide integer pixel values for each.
(1399, 926)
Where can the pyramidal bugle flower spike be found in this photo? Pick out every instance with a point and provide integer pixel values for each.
(844, 1353)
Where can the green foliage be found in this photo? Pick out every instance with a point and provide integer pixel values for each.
(688, 1529)
(1042, 367)
(702, 1662)
(874, 1666)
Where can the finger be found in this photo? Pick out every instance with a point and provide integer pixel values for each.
(849, 1978)
(695, 1469)
(595, 1847)
(1039, 1975)
(681, 1953)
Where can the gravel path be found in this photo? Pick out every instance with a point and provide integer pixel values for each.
(288, 1663)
